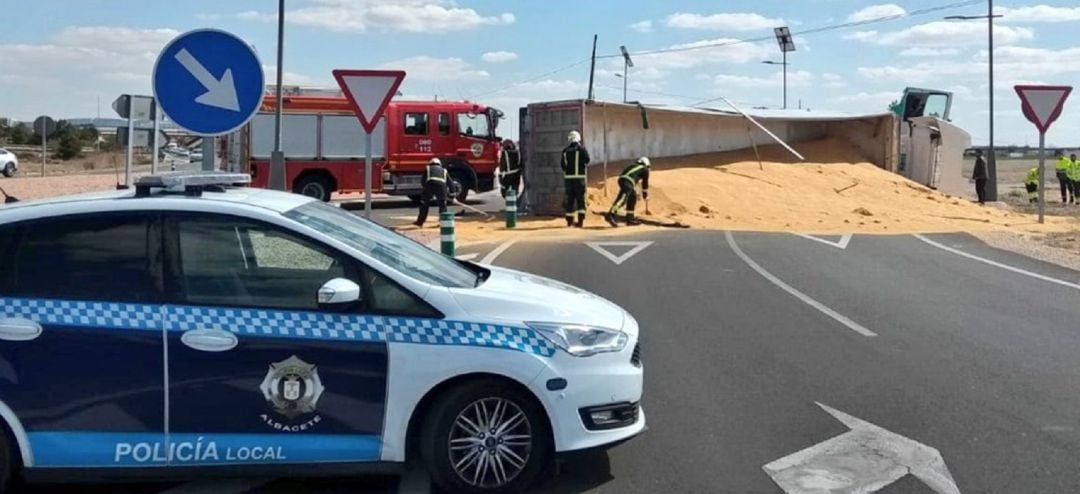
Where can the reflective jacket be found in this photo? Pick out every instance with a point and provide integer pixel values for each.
(435, 173)
(510, 162)
(1032, 177)
(1063, 164)
(575, 159)
(636, 172)
(1073, 172)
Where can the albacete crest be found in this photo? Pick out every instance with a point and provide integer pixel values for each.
(477, 150)
(292, 387)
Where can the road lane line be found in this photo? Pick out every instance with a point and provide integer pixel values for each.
(824, 309)
(490, 258)
(467, 257)
(998, 264)
(841, 244)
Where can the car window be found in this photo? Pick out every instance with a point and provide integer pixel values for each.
(444, 124)
(472, 124)
(416, 124)
(88, 258)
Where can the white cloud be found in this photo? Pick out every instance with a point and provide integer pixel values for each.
(1038, 13)
(800, 78)
(723, 22)
(921, 51)
(866, 102)
(295, 79)
(645, 26)
(833, 81)
(729, 51)
(945, 35)
(414, 16)
(877, 12)
(425, 68)
(499, 56)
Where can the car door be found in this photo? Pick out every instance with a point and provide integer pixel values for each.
(81, 341)
(415, 140)
(258, 371)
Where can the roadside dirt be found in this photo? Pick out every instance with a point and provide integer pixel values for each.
(833, 191)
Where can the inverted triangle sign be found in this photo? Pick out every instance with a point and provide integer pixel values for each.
(602, 249)
(369, 92)
(1042, 104)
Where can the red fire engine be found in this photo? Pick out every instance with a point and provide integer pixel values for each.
(323, 145)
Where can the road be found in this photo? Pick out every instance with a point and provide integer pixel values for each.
(752, 341)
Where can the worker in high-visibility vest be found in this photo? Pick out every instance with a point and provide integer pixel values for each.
(637, 171)
(575, 159)
(1073, 173)
(1031, 184)
(1062, 172)
(435, 192)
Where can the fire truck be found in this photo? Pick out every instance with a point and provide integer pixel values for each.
(323, 144)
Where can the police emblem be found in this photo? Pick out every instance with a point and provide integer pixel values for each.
(292, 387)
(477, 150)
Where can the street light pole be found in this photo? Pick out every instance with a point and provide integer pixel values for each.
(277, 157)
(785, 80)
(787, 44)
(627, 63)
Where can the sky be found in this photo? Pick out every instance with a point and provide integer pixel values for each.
(61, 57)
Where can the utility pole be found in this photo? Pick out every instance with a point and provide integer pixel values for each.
(627, 63)
(277, 157)
(592, 66)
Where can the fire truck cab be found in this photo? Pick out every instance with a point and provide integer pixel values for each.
(323, 144)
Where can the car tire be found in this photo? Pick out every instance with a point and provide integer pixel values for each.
(10, 169)
(523, 449)
(317, 186)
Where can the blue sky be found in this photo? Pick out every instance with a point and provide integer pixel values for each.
(63, 55)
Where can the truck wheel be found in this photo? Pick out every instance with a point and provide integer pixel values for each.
(486, 436)
(462, 179)
(317, 186)
(9, 169)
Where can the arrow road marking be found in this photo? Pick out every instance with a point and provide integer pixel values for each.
(635, 248)
(220, 93)
(863, 460)
(841, 244)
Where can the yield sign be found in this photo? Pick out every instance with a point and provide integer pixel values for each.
(1042, 104)
(369, 92)
(602, 249)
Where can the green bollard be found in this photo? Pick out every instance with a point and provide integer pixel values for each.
(446, 232)
(511, 208)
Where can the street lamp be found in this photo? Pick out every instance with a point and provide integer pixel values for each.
(277, 157)
(783, 38)
(627, 63)
(991, 162)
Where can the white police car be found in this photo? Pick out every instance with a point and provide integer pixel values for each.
(192, 326)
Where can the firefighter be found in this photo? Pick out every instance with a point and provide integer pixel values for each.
(1073, 174)
(637, 171)
(575, 159)
(1031, 184)
(1062, 172)
(510, 168)
(435, 178)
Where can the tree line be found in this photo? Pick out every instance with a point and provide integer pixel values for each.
(69, 139)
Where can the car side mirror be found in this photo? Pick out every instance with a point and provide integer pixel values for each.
(339, 291)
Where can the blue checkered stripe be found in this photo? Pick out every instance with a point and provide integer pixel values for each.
(82, 314)
(437, 332)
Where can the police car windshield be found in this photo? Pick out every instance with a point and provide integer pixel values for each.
(395, 251)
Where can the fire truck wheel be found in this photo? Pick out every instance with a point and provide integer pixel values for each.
(317, 186)
(464, 184)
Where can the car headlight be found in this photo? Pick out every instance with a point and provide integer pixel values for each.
(580, 340)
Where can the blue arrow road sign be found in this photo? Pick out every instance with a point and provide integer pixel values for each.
(208, 82)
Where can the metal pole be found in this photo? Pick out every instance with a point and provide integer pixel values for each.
(208, 164)
(277, 157)
(367, 176)
(624, 71)
(592, 66)
(1042, 176)
(991, 165)
(44, 147)
(130, 162)
(785, 80)
(154, 139)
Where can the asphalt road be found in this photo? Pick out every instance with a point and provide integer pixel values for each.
(750, 339)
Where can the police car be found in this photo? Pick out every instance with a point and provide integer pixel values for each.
(195, 326)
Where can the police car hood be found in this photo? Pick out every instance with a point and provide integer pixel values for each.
(517, 297)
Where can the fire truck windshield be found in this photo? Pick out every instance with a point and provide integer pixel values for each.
(474, 125)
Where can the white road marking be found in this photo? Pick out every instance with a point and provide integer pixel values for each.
(636, 247)
(490, 258)
(865, 459)
(998, 264)
(218, 486)
(842, 319)
(842, 244)
(468, 257)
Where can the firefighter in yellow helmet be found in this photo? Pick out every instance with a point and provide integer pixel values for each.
(634, 173)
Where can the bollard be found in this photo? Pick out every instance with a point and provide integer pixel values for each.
(511, 208)
(446, 232)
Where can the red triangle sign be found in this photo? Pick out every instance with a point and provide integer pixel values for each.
(1042, 104)
(369, 92)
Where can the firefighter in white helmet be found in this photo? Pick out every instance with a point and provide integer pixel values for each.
(575, 160)
(435, 178)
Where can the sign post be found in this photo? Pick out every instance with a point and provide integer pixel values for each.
(369, 92)
(1042, 106)
(132, 107)
(44, 125)
(209, 82)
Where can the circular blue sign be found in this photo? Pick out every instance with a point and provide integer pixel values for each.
(208, 82)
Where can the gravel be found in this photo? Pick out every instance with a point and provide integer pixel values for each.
(1041, 247)
(28, 188)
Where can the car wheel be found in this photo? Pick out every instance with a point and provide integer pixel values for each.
(316, 186)
(486, 436)
(9, 169)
